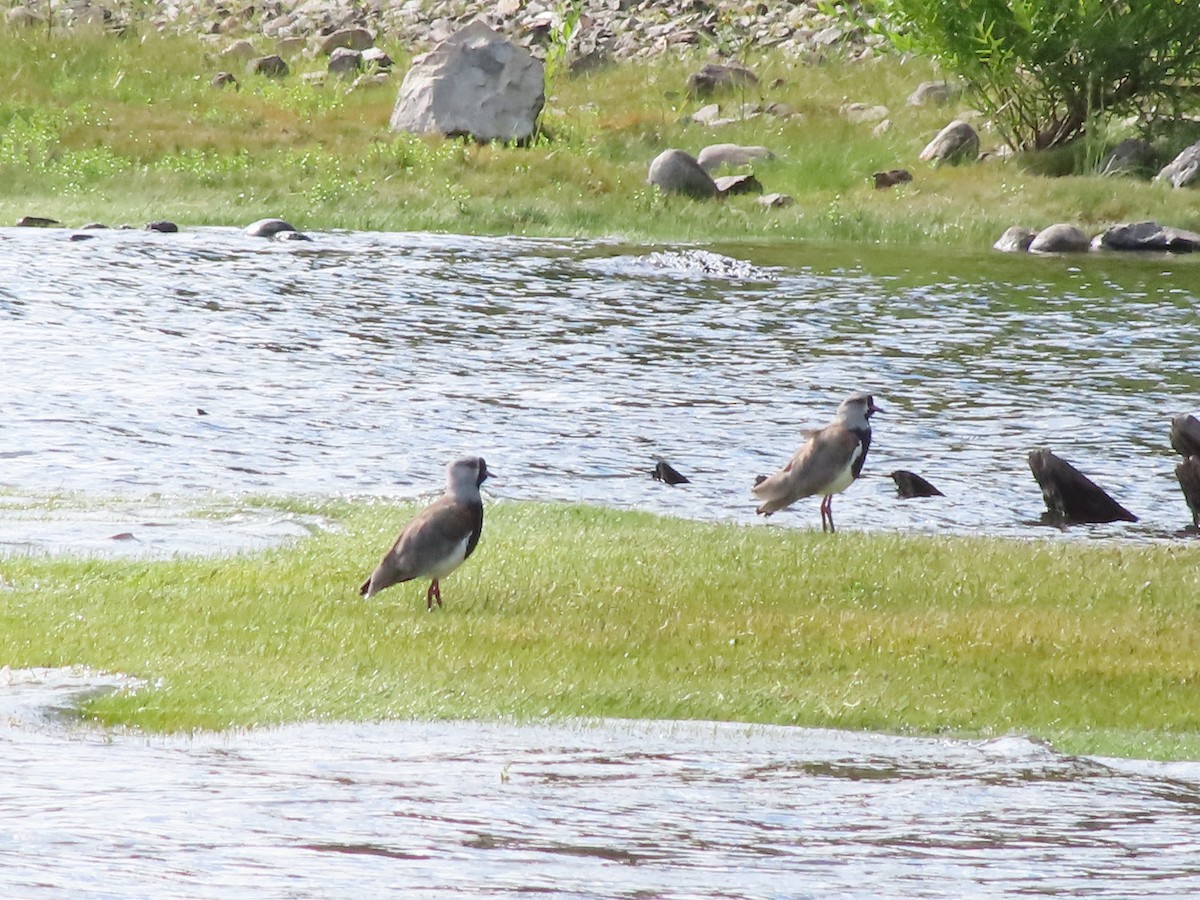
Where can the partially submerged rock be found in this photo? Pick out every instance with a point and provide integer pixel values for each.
(37, 222)
(1185, 435)
(910, 485)
(267, 228)
(666, 473)
(1016, 239)
(676, 172)
(1188, 473)
(1071, 497)
(1060, 238)
(1147, 236)
(477, 84)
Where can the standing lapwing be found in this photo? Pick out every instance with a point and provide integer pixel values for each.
(826, 464)
(438, 538)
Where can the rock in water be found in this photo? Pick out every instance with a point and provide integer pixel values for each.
(910, 485)
(474, 83)
(267, 228)
(1188, 473)
(663, 471)
(1185, 435)
(1072, 497)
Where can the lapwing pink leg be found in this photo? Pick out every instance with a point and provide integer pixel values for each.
(434, 593)
(827, 513)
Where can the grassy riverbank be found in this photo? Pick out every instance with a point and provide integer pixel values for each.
(126, 130)
(575, 611)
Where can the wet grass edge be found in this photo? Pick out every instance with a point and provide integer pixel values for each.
(576, 611)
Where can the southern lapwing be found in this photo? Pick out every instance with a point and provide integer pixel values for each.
(828, 462)
(438, 538)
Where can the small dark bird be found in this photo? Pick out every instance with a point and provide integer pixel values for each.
(910, 485)
(439, 538)
(663, 471)
(1072, 497)
(828, 462)
(1185, 436)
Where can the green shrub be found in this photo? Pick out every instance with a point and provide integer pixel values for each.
(1043, 71)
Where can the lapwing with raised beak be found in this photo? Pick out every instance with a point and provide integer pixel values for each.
(439, 538)
(828, 462)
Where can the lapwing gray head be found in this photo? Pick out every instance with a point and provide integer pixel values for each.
(856, 411)
(827, 463)
(440, 537)
(464, 477)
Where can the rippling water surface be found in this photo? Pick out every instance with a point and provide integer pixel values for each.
(205, 361)
(588, 810)
(185, 367)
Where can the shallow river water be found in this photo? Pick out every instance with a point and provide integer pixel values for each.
(149, 373)
(206, 363)
(587, 810)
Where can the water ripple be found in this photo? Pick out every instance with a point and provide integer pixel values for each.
(361, 363)
(584, 809)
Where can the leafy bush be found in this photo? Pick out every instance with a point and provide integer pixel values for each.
(1044, 69)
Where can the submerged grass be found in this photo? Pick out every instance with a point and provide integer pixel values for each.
(579, 611)
(94, 127)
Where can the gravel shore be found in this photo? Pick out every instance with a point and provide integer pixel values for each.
(605, 30)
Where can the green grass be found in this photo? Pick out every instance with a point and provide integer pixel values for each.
(577, 611)
(94, 127)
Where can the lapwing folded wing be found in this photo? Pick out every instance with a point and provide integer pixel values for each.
(439, 538)
(828, 462)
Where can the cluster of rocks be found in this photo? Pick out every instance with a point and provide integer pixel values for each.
(1063, 237)
(271, 228)
(599, 30)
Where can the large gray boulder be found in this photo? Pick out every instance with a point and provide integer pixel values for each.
(677, 172)
(957, 142)
(474, 83)
(1147, 236)
(1060, 238)
(1183, 169)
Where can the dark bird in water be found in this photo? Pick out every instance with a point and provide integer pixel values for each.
(439, 538)
(663, 471)
(910, 485)
(1072, 497)
(828, 462)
